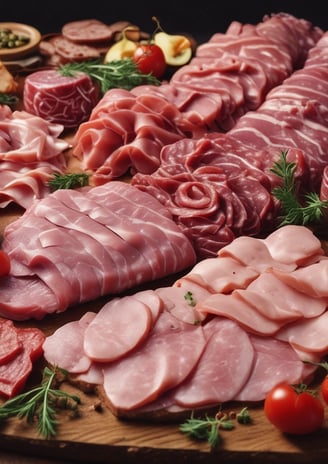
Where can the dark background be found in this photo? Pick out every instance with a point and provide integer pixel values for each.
(202, 19)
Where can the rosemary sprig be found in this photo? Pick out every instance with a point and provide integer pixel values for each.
(293, 211)
(115, 74)
(41, 404)
(8, 99)
(68, 181)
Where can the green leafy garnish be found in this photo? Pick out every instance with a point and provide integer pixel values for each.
(189, 297)
(207, 428)
(293, 211)
(40, 404)
(122, 74)
(68, 181)
(8, 99)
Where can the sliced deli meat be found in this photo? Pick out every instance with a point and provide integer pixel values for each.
(208, 94)
(253, 334)
(66, 100)
(75, 245)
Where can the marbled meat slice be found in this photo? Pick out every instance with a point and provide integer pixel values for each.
(69, 268)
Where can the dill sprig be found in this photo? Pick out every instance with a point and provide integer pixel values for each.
(40, 404)
(68, 181)
(122, 74)
(293, 211)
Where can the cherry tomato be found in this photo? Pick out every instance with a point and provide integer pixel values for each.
(4, 263)
(150, 59)
(293, 411)
(324, 389)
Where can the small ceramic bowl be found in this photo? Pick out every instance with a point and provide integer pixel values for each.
(24, 50)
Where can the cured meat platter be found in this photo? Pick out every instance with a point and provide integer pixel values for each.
(98, 435)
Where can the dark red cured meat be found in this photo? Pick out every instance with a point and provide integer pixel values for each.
(14, 373)
(60, 99)
(10, 344)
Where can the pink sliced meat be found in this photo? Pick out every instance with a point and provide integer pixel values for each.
(311, 279)
(181, 301)
(66, 100)
(118, 328)
(284, 248)
(235, 308)
(64, 348)
(63, 249)
(155, 367)
(223, 369)
(308, 335)
(286, 298)
(274, 362)
(219, 275)
(254, 253)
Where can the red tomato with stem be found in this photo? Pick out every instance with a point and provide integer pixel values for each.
(149, 59)
(293, 410)
(4, 263)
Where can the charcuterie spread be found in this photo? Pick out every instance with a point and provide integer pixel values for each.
(195, 178)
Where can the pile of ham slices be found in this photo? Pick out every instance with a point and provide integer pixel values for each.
(228, 330)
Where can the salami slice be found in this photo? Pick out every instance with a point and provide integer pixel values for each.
(87, 30)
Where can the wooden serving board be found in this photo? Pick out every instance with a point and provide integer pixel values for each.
(98, 436)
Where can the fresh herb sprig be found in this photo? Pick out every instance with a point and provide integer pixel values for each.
(8, 99)
(293, 211)
(41, 404)
(209, 428)
(68, 181)
(122, 74)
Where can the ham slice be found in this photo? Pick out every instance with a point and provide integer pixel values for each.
(223, 368)
(119, 327)
(155, 367)
(274, 362)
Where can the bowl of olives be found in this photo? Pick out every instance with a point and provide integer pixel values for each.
(17, 40)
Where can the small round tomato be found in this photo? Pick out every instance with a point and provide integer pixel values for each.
(150, 59)
(4, 263)
(324, 389)
(292, 410)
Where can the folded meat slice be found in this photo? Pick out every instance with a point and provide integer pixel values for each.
(75, 246)
(155, 367)
(219, 275)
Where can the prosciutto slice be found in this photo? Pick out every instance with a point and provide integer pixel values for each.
(31, 151)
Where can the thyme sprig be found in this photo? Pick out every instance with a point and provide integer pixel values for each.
(41, 404)
(294, 211)
(122, 74)
(68, 181)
